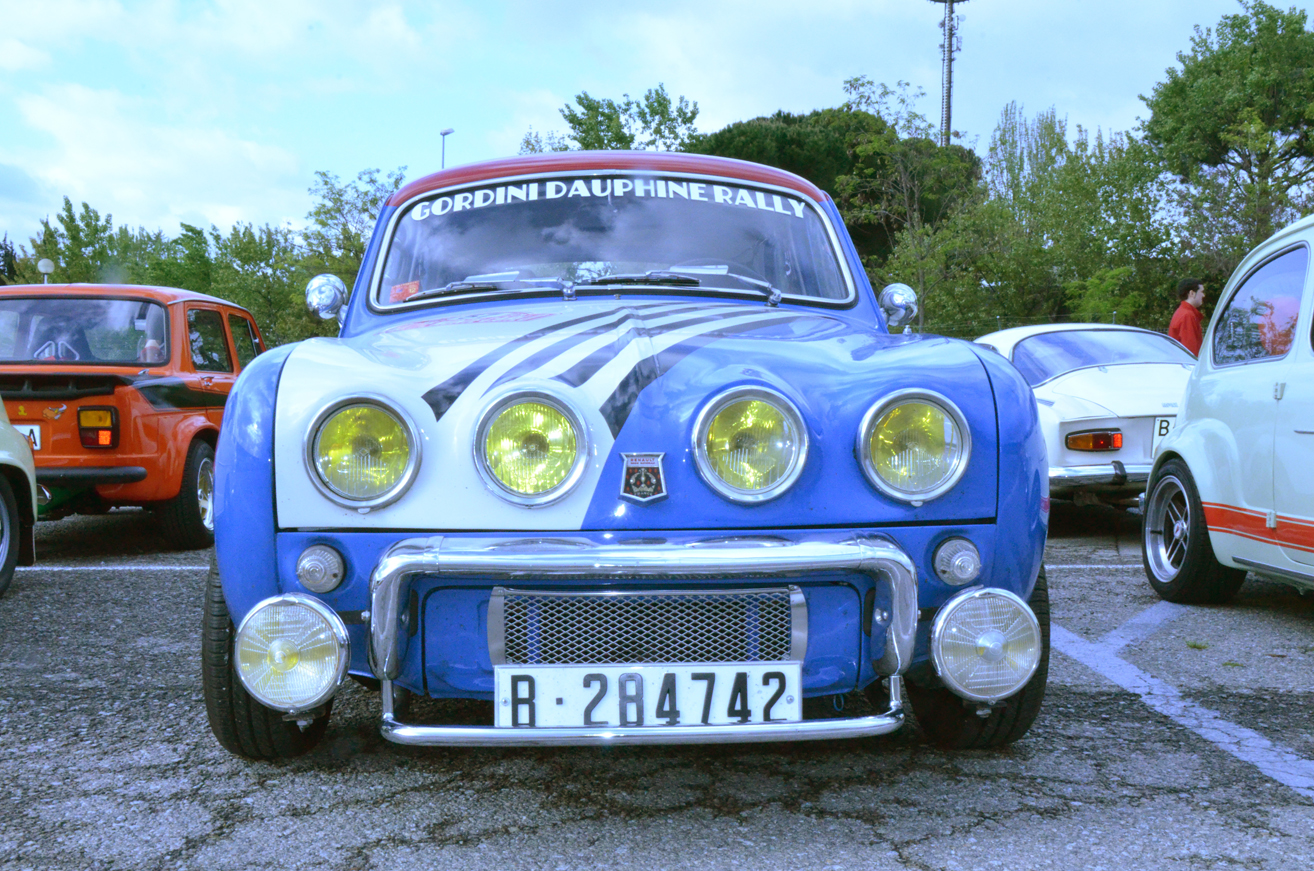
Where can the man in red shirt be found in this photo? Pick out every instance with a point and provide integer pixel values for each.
(1186, 323)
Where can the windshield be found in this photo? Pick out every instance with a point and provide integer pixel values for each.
(1040, 358)
(83, 330)
(604, 231)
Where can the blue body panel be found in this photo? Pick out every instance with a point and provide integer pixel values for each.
(244, 520)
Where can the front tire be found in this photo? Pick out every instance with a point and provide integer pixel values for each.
(1175, 548)
(951, 722)
(188, 518)
(243, 725)
(10, 530)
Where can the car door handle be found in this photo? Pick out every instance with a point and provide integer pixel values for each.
(1305, 432)
(207, 381)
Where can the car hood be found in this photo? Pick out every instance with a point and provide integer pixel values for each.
(636, 373)
(1127, 390)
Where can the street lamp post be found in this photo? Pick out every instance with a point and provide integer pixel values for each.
(443, 134)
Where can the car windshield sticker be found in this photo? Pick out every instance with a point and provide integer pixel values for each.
(642, 479)
(662, 188)
(403, 292)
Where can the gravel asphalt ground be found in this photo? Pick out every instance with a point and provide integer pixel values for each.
(1171, 738)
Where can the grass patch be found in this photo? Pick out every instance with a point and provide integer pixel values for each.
(1197, 645)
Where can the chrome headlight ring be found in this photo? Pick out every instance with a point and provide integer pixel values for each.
(582, 447)
(704, 420)
(877, 411)
(412, 461)
(940, 628)
(336, 626)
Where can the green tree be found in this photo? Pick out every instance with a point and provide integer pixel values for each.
(262, 269)
(905, 182)
(1236, 122)
(654, 123)
(342, 220)
(1061, 227)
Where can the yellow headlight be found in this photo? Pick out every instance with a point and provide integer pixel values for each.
(531, 447)
(753, 444)
(362, 452)
(915, 447)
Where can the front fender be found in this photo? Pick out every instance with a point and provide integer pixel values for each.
(244, 519)
(1209, 450)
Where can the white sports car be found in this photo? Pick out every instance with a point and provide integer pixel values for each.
(1106, 396)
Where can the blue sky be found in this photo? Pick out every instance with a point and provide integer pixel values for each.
(160, 111)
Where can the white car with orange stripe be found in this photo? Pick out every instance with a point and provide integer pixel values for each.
(1230, 490)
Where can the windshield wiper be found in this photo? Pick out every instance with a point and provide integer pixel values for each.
(497, 284)
(656, 276)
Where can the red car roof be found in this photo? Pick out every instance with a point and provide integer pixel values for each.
(166, 295)
(594, 161)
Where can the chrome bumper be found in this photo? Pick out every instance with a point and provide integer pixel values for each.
(1116, 474)
(720, 559)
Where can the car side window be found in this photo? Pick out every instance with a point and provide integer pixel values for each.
(1260, 318)
(205, 333)
(244, 339)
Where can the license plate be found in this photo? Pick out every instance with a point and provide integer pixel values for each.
(598, 696)
(1162, 426)
(31, 432)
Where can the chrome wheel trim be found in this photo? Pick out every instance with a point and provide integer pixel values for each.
(205, 493)
(1167, 528)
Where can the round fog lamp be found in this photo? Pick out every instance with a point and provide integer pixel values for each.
(320, 568)
(957, 562)
(291, 653)
(985, 644)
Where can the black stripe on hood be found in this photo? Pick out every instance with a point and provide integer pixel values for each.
(551, 352)
(616, 410)
(440, 398)
(589, 366)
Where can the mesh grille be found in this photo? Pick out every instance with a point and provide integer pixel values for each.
(585, 629)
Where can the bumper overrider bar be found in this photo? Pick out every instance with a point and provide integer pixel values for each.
(505, 560)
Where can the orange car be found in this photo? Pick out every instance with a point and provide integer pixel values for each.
(120, 390)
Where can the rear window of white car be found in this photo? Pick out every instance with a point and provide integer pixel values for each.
(1048, 355)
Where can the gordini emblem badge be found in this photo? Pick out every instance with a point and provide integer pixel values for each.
(52, 412)
(642, 479)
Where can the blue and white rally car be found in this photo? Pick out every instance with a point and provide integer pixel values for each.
(621, 444)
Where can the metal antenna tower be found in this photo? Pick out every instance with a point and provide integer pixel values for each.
(953, 43)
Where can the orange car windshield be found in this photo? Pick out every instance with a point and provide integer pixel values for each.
(83, 331)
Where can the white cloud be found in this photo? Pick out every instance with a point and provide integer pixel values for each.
(110, 151)
(15, 56)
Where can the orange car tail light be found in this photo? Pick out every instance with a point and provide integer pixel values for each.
(1096, 440)
(98, 427)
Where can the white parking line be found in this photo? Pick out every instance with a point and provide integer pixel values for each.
(1143, 625)
(1127, 566)
(114, 568)
(1272, 759)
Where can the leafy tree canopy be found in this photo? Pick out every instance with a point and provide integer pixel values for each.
(654, 123)
(1242, 104)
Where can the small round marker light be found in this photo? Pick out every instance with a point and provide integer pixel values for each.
(957, 562)
(320, 568)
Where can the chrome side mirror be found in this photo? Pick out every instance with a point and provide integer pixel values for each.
(899, 302)
(325, 296)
